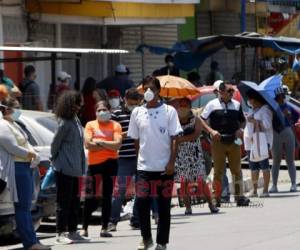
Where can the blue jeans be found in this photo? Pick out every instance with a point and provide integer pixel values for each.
(24, 182)
(127, 168)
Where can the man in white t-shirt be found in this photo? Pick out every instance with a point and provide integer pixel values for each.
(154, 127)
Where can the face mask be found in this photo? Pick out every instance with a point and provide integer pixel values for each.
(131, 107)
(16, 114)
(183, 112)
(103, 116)
(149, 95)
(114, 102)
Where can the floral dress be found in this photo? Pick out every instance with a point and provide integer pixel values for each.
(190, 164)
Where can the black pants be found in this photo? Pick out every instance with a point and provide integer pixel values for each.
(68, 202)
(151, 185)
(101, 174)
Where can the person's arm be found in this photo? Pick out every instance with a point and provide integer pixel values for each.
(9, 143)
(193, 136)
(203, 119)
(59, 136)
(242, 122)
(116, 143)
(88, 139)
(171, 164)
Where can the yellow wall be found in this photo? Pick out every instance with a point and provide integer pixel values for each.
(113, 9)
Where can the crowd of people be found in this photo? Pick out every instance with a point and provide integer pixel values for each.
(142, 138)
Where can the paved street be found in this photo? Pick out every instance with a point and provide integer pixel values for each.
(272, 223)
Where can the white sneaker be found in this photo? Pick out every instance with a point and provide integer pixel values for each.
(293, 188)
(63, 239)
(161, 247)
(76, 237)
(273, 189)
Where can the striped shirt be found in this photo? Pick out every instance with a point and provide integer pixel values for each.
(127, 149)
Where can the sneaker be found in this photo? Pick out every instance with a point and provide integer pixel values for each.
(273, 190)
(145, 244)
(264, 195)
(39, 246)
(293, 188)
(188, 211)
(242, 202)
(105, 234)
(63, 239)
(76, 237)
(112, 227)
(213, 209)
(161, 247)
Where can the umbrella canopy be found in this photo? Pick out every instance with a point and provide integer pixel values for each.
(173, 86)
(266, 90)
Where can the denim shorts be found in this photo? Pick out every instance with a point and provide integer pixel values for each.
(259, 165)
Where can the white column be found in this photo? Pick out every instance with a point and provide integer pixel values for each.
(104, 56)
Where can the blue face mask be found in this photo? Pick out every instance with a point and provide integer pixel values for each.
(296, 65)
(16, 114)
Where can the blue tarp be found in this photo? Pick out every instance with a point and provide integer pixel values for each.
(191, 54)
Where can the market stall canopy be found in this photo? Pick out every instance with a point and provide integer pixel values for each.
(192, 53)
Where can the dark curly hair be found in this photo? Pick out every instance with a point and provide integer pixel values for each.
(66, 104)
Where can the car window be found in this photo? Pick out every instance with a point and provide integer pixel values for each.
(48, 122)
(203, 100)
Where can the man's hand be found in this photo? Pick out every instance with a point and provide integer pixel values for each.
(216, 136)
(239, 133)
(170, 168)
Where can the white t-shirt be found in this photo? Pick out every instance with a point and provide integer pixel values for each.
(265, 115)
(153, 128)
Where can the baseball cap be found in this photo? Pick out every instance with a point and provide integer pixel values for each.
(121, 68)
(217, 84)
(63, 76)
(113, 93)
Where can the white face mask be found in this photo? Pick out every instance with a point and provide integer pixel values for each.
(16, 114)
(149, 95)
(114, 102)
(103, 116)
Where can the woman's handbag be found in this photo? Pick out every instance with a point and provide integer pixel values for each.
(259, 148)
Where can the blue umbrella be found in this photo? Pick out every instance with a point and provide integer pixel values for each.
(266, 90)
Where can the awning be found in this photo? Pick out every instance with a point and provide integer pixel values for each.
(192, 53)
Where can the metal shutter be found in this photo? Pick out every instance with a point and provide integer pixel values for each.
(226, 23)
(141, 66)
(131, 37)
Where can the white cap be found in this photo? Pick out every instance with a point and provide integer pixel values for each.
(121, 68)
(63, 76)
(217, 84)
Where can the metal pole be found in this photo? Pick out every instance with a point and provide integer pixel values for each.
(77, 65)
(243, 29)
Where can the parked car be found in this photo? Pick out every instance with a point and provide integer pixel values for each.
(40, 137)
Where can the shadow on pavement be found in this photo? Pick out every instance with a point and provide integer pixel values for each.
(278, 195)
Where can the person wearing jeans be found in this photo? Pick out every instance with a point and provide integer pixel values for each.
(103, 138)
(69, 163)
(16, 156)
(284, 142)
(154, 127)
(127, 157)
